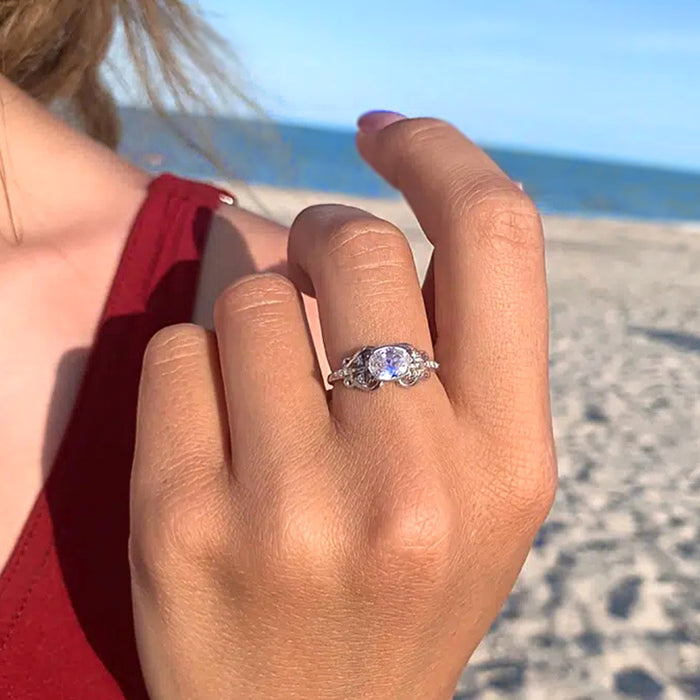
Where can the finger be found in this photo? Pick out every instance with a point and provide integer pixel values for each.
(182, 436)
(274, 392)
(366, 285)
(429, 298)
(490, 287)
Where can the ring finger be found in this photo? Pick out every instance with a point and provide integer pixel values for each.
(368, 293)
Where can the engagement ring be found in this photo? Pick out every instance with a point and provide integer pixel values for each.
(372, 366)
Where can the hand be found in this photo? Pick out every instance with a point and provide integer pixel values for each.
(288, 545)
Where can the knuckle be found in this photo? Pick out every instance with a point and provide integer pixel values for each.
(415, 133)
(498, 213)
(168, 532)
(254, 293)
(412, 139)
(147, 555)
(310, 216)
(532, 487)
(416, 531)
(302, 545)
(174, 344)
(367, 243)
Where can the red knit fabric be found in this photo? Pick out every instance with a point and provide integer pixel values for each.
(66, 627)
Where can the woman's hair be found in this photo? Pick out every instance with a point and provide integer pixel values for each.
(54, 50)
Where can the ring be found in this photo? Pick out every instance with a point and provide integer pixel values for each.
(374, 365)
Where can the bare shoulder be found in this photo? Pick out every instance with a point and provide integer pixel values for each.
(58, 180)
(247, 220)
(241, 242)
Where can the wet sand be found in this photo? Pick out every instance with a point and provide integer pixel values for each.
(608, 603)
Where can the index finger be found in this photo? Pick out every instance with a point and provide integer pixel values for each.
(491, 312)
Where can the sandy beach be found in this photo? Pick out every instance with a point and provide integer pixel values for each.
(608, 604)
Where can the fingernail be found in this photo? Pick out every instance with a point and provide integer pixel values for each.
(371, 122)
(520, 186)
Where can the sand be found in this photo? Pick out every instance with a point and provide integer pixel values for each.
(608, 603)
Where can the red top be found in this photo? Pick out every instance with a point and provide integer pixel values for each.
(66, 627)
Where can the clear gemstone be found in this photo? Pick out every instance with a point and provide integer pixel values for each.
(389, 362)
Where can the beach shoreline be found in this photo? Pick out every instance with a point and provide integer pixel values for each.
(283, 204)
(286, 201)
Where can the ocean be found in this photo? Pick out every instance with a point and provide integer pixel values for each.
(326, 160)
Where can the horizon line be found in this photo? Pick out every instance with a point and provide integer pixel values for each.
(515, 147)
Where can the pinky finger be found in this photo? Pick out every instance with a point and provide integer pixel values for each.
(182, 436)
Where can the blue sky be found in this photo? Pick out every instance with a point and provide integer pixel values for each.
(612, 78)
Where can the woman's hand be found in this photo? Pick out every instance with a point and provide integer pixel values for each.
(285, 545)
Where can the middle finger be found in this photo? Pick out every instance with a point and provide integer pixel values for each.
(367, 288)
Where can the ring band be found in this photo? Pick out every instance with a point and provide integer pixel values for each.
(374, 365)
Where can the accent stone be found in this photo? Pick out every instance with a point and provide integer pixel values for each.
(389, 363)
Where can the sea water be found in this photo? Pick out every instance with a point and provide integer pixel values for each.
(326, 160)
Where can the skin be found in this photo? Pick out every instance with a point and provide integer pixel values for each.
(293, 543)
(53, 286)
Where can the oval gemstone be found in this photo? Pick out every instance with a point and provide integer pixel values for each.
(389, 362)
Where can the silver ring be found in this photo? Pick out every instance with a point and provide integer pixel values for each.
(374, 365)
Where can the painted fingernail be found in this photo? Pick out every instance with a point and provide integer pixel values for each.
(371, 122)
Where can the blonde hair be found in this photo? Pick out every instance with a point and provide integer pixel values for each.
(55, 50)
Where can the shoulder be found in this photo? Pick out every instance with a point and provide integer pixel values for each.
(252, 224)
(240, 242)
(58, 182)
(243, 242)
